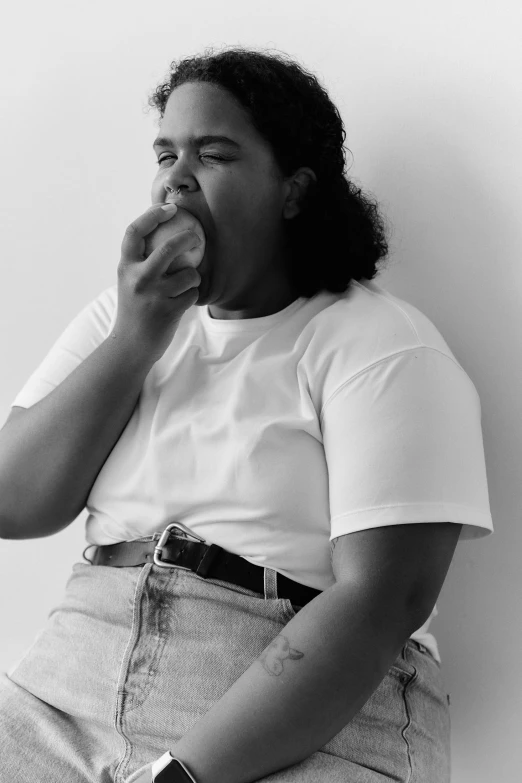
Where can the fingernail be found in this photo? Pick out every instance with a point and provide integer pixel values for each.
(169, 207)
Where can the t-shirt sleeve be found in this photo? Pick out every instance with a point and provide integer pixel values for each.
(80, 338)
(403, 443)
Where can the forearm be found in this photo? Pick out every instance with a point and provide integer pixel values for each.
(285, 706)
(51, 454)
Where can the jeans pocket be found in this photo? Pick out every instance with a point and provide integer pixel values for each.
(420, 648)
(403, 668)
(288, 609)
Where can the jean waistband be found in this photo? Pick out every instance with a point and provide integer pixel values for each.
(169, 550)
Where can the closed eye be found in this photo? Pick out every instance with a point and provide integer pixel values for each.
(212, 157)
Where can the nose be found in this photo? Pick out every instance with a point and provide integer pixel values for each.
(175, 179)
(176, 193)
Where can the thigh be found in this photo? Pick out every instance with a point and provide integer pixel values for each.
(42, 743)
(57, 702)
(403, 730)
(208, 635)
(121, 680)
(401, 734)
(428, 732)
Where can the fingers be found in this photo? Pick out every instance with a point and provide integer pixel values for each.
(133, 242)
(182, 281)
(166, 258)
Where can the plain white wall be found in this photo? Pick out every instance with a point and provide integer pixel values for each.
(430, 96)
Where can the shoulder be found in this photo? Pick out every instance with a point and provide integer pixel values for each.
(369, 316)
(361, 329)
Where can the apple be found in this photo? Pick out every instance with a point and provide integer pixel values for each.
(181, 221)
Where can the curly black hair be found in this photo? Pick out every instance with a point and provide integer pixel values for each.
(292, 111)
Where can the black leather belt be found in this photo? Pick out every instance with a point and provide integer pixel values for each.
(167, 549)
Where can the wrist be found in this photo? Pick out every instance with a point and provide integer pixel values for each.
(133, 350)
(169, 769)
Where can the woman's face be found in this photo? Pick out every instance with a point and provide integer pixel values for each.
(236, 192)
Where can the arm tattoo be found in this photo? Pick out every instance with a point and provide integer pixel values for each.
(277, 651)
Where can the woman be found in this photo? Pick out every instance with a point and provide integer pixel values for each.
(285, 438)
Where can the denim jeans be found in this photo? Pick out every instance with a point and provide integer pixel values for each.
(132, 657)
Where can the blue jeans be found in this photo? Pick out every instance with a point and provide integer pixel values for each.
(132, 657)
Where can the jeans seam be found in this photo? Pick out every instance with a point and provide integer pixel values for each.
(288, 610)
(162, 614)
(120, 690)
(408, 724)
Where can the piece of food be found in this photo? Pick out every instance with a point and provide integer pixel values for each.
(181, 221)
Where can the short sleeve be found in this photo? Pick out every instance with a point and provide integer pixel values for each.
(403, 443)
(79, 339)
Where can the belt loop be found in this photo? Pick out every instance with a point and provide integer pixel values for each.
(270, 583)
(85, 550)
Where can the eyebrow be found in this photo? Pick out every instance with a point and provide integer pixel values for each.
(201, 141)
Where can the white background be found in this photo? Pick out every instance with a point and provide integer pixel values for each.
(430, 94)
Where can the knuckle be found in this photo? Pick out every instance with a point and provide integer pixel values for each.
(139, 284)
(165, 249)
(130, 280)
(174, 246)
(132, 231)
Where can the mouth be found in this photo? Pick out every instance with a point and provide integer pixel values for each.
(174, 200)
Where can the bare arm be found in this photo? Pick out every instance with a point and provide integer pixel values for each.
(323, 666)
(51, 453)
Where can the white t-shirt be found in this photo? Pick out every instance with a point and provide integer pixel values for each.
(271, 436)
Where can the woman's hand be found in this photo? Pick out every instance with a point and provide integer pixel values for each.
(151, 302)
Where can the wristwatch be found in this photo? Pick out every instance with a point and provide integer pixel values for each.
(168, 769)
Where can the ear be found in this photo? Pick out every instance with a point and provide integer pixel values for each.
(297, 187)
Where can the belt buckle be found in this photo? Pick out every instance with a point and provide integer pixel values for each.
(163, 540)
